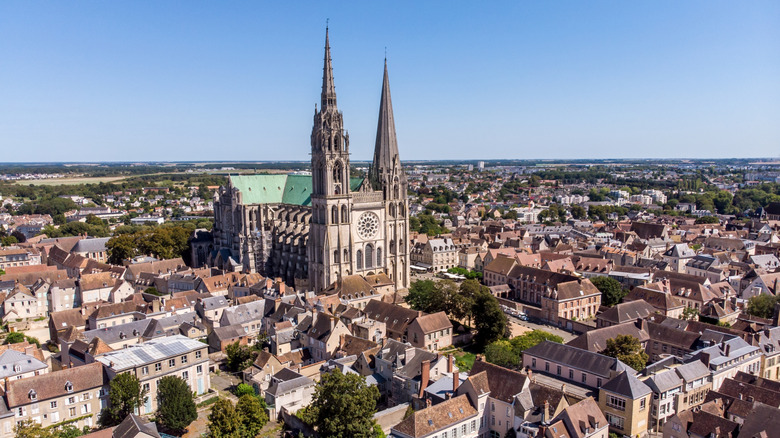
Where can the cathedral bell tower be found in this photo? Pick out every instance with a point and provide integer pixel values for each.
(387, 175)
(329, 248)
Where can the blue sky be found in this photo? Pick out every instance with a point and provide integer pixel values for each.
(205, 80)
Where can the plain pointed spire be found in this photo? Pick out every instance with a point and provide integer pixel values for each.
(386, 147)
(328, 98)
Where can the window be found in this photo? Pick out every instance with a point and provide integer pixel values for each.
(547, 366)
(184, 359)
(558, 370)
(533, 363)
(642, 404)
(584, 377)
(186, 375)
(72, 412)
(614, 420)
(85, 396)
(71, 400)
(146, 387)
(53, 405)
(197, 354)
(171, 362)
(571, 374)
(473, 425)
(158, 366)
(616, 402)
(55, 417)
(199, 369)
(145, 370)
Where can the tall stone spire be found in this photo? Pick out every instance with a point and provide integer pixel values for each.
(386, 147)
(328, 87)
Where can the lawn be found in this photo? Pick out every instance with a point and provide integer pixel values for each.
(464, 358)
(71, 181)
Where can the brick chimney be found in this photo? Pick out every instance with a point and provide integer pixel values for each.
(450, 361)
(455, 383)
(425, 376)
(705, 358)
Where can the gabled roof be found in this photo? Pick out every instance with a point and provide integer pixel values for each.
(433, 322)
(628, 311)
(628, 385)
(131, 426)
(504, 384)
(595, 363)
(435, 418)
(54, 384)
(596, 340)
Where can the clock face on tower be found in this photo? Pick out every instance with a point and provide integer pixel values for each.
(368, 225)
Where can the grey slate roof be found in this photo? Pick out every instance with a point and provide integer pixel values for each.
(692, 371)
(117, 333)
(577, 358)
(133, 425)
(663, 382)
(97, 244)
(243, 313)
(286, 380)
(10, 358)
(627, 384)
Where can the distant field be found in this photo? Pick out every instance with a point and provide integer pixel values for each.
(71, 181)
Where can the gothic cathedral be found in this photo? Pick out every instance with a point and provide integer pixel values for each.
(315, 232)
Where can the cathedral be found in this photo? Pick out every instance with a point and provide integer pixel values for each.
(315, 230)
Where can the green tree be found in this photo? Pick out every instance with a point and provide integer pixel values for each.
(176, 407)
(31, 429)
(578, 212)
(252, 413)
(690, 314)
(534, 337)
(612, 291)
(762, 306)
(120, 248)
(707, 220)
(70, 431)
(502, 354)
(224, 420)
(628, 350)
(239, 357)
(14, 338)
(343, 406)
(125, 397)
(243, 389)
(489, 320)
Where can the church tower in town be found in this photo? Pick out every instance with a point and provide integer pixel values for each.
(329, 239)
(387, 176)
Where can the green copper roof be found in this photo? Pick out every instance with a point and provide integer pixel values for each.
(278, 189)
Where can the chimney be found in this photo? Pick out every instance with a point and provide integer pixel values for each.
(450, 360)
(455, 383)
(705, 358)
(530, 374)
(545, 409)
(425, 375)
(728, 349)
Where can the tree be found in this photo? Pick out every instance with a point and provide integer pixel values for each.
(611, 290)
(243, 389)
(175, 406)
(707, 220)
(20, 237)
(14, 338)
(690, 314)
(239, 357)
(502, 354)
(762, 305)
(252, 413)
(125, 397)
(224, 420)
(628, 350)
(490, 321)
(532, 338)
(71, 431)
(120, 248)
(578, 212)
(343, 406)
(31, 429)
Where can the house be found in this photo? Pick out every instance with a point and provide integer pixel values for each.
(395, 318)
(322, 333)
(63, 295)
(729, 357)
(22, 303)
(505, 387)
(134, 427)
(581, 420)
(676, 387)
(167, 356)
(431, 331)
(625, 312)
(662, 300)
(62, 321)
(625, 402)
(288, 390)
(221, 337)
(572, 364)
(455, 417)
(72, 396)
(16, 365)
(677, 256)
(596, 340)
(259, 374)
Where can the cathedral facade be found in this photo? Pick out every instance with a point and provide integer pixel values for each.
(313, 230)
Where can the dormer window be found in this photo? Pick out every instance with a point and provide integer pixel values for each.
(68, 386)
(33, 395)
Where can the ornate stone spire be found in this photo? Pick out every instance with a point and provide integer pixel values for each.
(328, 87)
(386, 147)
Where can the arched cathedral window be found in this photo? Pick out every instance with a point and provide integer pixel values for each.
(334, 218)
(369, 256)
(338, 178)
(336, 256)
(359, 259)
(344, 215)
(379, 257)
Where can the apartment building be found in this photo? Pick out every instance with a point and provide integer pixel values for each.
(152, 360)
(73, 396)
